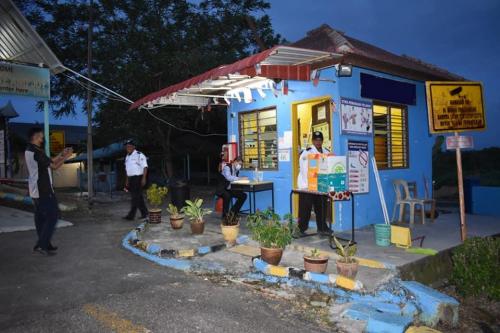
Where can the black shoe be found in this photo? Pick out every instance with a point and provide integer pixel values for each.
(144, 217)
(52, 247)
(128, 218)
(326, 233)
(299, 234)
(43, 252)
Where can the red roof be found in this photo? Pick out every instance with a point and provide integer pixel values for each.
(211, 74)
(328, 39)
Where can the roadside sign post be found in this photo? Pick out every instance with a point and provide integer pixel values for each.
(455, 107)
(463, 227)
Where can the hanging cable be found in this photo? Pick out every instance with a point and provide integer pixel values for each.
(178, 128)
(88, 86)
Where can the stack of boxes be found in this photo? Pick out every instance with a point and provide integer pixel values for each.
(327, 173)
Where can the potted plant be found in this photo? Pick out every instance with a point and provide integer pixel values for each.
(155, 195)
(230, 227)
(176, 218)
(195, 213)
(316, 262)
(273, 235)
(347, 265)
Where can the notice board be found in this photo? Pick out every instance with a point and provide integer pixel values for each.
(57, 142)
(358, 170)
(455, 106)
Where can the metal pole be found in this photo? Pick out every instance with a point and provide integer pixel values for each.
(90, 156)
(46, 126)
(463, 227)
(188, 168)
(8, 169)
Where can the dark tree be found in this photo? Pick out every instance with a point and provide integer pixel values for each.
(140, 46)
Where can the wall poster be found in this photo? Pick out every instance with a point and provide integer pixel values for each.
(358, 166)
(356, 117)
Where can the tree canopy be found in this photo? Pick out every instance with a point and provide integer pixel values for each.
(140, 46)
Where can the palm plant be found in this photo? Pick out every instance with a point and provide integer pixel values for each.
(194, 211)
(346, 252)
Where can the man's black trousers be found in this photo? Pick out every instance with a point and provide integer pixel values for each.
(227, 196)
(137, 202)
(306, 203)
(46, 216)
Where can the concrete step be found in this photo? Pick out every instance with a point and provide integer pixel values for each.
(434, 306)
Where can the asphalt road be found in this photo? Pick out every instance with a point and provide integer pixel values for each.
(94, 285)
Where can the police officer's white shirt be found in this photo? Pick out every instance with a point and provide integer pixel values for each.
(302, 182)
(135, 163)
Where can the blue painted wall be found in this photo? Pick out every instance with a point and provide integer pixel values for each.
(367, 206)
(482, 199)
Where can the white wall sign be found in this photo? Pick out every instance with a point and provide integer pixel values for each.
(462, 142)
(284, 155)
(24, 80)
(358, 166)
(356, 117)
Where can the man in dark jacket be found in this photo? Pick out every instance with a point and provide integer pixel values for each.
(41, 190)
(230, 173)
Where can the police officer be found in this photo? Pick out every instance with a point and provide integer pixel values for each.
(306, 200)
(136, 166)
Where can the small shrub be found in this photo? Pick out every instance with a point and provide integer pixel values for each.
(156, 194)
(476, 267)
(267, 229)
(194, 211)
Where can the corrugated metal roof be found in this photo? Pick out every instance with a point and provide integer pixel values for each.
(19, 42)
(325, 38)
(238, 74)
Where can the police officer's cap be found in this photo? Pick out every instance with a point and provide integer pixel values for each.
(317, 135)
(129, 142)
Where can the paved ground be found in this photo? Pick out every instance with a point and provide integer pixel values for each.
(19, 220)
(93, 285)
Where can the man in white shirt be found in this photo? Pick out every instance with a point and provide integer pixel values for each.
(308, 201)
(136, 167)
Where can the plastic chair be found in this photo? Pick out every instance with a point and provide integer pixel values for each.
(403, 198)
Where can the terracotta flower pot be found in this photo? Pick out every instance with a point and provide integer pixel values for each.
(197, 227)
(230, 233)
(271, 255)
(348, 270)
(155, 215)
(315, 264)
(176, 222)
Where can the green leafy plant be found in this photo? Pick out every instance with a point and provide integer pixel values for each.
(194, 211)
(268, 229)
(156, 194)
(315, 253)
(476, 265)
(173, 211)
(231, 219)
(346, 252)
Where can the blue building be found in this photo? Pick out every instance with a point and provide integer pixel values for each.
(366, 101)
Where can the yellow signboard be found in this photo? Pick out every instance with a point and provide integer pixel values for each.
(455, 106)
(57, 143)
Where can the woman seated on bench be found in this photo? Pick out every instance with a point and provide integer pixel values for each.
(230, 173)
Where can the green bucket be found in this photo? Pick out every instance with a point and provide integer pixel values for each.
(383, 234)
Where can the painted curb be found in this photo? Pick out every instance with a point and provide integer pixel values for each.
(292, 272)
(156, 249)
(16, 197)
(434, 306)
(152, 253)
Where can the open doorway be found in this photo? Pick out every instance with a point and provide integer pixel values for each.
(309, 116)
